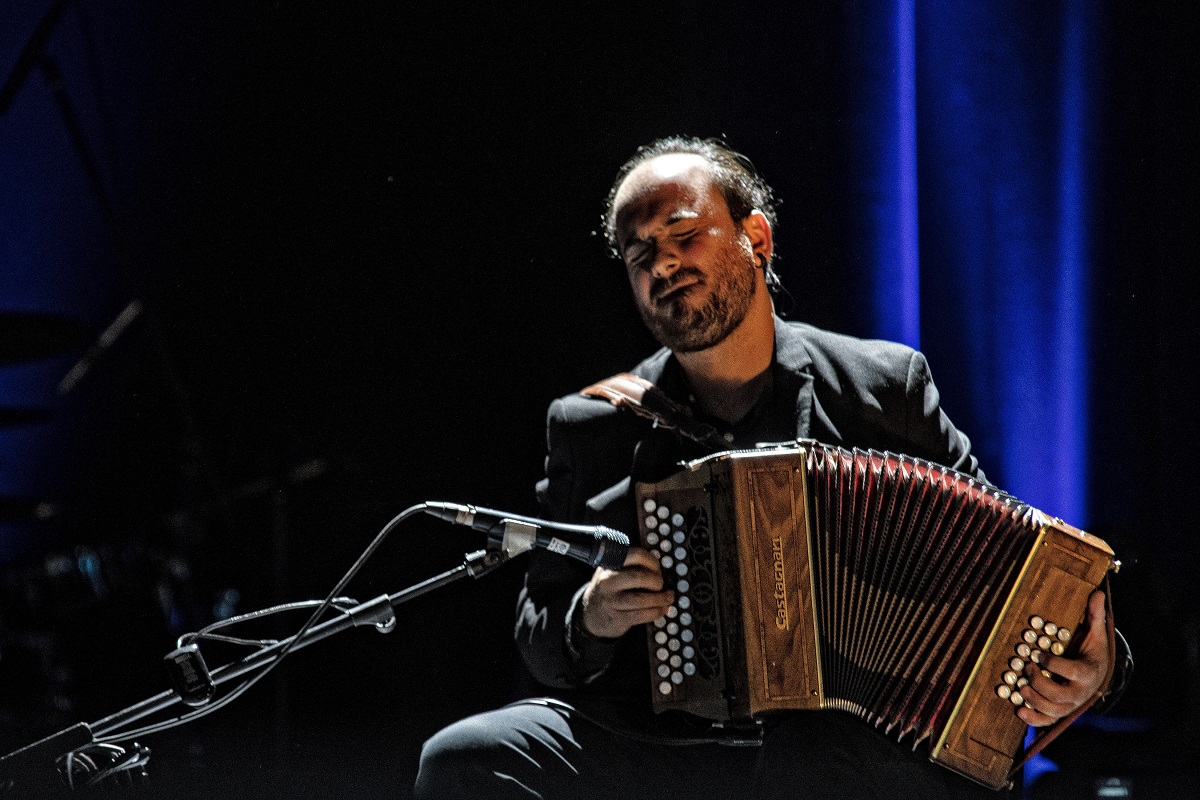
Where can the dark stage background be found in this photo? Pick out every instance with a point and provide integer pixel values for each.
(363, 239)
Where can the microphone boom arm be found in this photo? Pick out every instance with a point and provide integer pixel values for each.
(22, 763)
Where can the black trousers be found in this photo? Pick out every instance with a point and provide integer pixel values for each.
(540, 749)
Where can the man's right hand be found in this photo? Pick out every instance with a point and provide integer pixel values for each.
(616, 600)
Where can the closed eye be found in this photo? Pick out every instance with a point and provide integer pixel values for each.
(637, 254)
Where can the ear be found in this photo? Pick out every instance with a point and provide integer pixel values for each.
(758, 232)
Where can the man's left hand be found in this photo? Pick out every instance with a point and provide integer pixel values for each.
(1074, 680)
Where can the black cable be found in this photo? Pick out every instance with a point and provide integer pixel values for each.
(88, 762)
(342, 604)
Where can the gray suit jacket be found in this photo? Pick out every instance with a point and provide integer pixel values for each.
(848, 392)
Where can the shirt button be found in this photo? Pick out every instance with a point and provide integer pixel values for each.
(728, 437)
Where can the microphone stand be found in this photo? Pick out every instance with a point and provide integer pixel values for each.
(22, 763)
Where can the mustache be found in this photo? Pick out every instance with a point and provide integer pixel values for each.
(664, 286)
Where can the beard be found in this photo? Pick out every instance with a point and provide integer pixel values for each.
(684, 327)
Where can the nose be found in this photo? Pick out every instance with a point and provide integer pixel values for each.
(664, 261)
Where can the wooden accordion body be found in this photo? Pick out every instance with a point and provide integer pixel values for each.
(814, 577)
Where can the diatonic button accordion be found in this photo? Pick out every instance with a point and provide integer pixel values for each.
(810, 577)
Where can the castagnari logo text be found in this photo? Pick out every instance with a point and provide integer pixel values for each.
(781, 612)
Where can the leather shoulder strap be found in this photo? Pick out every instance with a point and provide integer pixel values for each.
(629, 392)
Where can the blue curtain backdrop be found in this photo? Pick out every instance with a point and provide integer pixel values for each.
(970, 159)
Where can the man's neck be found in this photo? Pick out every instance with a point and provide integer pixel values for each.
(729, 377)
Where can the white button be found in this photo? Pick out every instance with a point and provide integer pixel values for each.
(673, 628)
(652, 538)
(687, 635)
(676, 661)
(648, 504)
(681, 569)
(660, 622)
(676, 678)
(668, 562)
(664, 529)
(680, 553)
(665, 687)
(677, 520)
(683, 585)
(684, 602)
(660, 637)
(678, 537)
(651, 522)
(662, 653)
(672, 612)
(689, 668)
(689, 652)
(663, 670)
(728, 437)
(663, 512)
(685, 618)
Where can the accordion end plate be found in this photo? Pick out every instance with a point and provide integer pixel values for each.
(983, 737)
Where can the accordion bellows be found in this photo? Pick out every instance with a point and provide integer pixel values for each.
(814, 577)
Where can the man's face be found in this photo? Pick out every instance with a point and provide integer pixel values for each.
(692, 268)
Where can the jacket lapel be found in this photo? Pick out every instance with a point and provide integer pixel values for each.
(791, 353)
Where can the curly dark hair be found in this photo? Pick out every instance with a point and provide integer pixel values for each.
(740, 184)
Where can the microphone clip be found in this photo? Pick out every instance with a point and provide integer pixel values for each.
(481, 562)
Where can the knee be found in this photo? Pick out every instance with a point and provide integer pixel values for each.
(458, 761)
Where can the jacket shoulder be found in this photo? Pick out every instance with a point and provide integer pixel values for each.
(839, 354)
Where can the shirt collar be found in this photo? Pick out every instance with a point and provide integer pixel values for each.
(773, 416)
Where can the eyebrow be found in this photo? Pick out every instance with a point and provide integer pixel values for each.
(681, 215)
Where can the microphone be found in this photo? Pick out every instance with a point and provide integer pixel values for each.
(595, 545)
